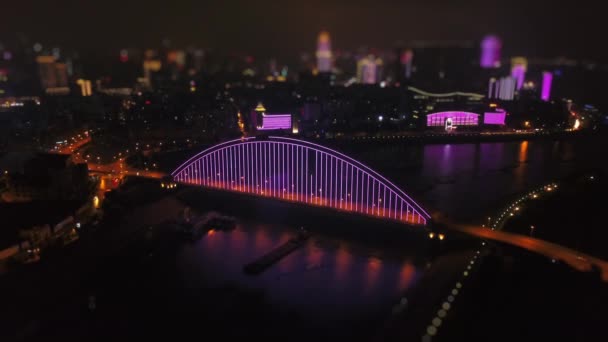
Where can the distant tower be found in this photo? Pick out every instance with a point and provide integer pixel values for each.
(545, 94)
(519, 66)
(492, 88)
(53, 75)
(503, 88)
(256, 116)
(406, 60)
(324, 55)
(368, 69)
(490, 52)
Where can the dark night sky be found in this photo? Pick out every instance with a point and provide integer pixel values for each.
(285, 28)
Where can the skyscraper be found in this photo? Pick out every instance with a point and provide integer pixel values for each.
(545, 94)
(368, 69)
(406, 60)
(503, 88)
(85, 87)
(53, 75)
(506, 90)
(519, 66)
(492, 84)
(324, 55)
(490, 52)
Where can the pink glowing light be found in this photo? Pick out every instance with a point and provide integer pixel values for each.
(458, 119)
(546, 87)
(494, 118)
(275, 121)
(518, 72)
(490, 52)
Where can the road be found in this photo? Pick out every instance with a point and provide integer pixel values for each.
(74, 146)
(575, 259)
(117, 168)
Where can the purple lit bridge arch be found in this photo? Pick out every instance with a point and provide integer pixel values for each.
(299, 171)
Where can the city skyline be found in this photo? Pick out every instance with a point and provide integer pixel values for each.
(270, 28)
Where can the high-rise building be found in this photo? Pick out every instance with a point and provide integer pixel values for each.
(177, 57)
(519, 66)
(368, 69)
(492, 84)
(262, 121)
(490, 52)
(324, 55)
(85, 87)
(503, 89)
(255, 116)
(150, 65)
(53, 75)
(406, 60)
(545, 93)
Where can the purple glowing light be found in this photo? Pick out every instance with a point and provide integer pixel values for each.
(518, 72)
(299, 171)
(458, 119)
(490, 52)
(546, 87)
(275, 121)
(494, 118)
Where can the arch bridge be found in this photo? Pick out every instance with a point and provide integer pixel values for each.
(299, 171)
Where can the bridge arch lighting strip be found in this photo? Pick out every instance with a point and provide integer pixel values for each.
(206, 151)
(360, 165)
(296, 170)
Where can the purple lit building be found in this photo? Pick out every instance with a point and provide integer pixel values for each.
(490, 52)
(442, 119)
(262, 121)
(324, 55)
(275, 121)
(495, 118)
(519, 66)
(545, 94)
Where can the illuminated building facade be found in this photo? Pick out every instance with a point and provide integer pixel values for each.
(490, 52)
(150, 66)
(263, 121)
(368, 70)
(85, 87)
(495, 118)
(255, 117)
(519, 66)
(275, 121)
(324, 55)
(503, 88)
(545, 94)
(406, 60)
(53, 75)
(454, 118)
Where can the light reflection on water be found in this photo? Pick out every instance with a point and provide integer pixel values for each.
(345, 278)
(467, 180)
